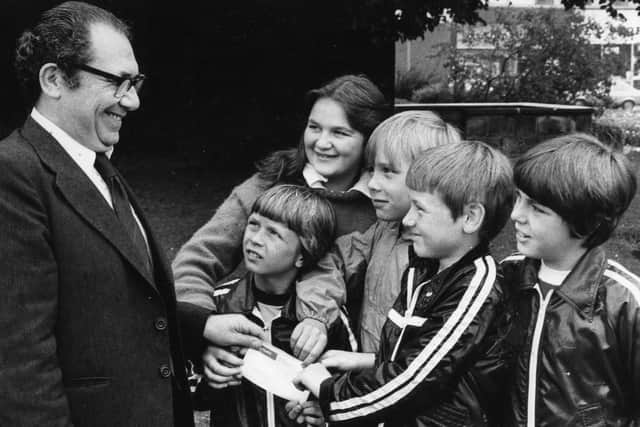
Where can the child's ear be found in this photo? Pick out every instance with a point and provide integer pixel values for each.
(472, 217)
(299, 261)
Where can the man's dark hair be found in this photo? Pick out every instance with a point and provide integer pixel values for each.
(60, 36)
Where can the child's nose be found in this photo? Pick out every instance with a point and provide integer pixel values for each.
(517, 212)
(408, 220)
(373, 182)
(257, 238)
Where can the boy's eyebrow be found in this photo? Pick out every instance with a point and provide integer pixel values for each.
(272, 229)
(418, 203)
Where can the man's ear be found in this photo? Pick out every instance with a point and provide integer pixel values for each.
(472, 217)
(299, 261)
(51, 80)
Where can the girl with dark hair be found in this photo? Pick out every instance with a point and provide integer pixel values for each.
(340, 117)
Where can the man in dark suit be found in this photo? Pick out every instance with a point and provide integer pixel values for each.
(89, 332)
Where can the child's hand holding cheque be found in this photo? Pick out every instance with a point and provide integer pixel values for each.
(311, 377)
(347, 360)
(308, 412)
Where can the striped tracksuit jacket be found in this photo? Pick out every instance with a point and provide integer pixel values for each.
(443, 356)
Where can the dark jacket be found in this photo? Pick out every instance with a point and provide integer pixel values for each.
(89, 335)
(442, 355)
(584, 367)
(247, 405)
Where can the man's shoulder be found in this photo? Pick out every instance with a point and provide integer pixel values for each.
(16, 154)
(14, 146)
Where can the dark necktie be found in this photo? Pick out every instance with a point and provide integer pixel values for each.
(121, 206)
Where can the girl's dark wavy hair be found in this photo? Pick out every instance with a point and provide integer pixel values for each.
(61, 36)
(364, 105)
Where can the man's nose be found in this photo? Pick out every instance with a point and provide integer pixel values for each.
(130, 100)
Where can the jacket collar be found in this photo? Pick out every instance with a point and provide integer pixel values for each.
(83, 197)
(429, 266)
(580, 287)
(243, 299)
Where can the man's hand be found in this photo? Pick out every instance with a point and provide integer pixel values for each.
(308, 340)
(222, 368)
(347, 360)
(305, 412)
(311, 377)
(233, 329)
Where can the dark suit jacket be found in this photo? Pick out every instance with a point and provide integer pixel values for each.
(87, 336)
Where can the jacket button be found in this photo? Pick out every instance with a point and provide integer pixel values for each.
(165, 371)
(160, 323)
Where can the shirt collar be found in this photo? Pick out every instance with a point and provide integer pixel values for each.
(78, 152)
(314, 180)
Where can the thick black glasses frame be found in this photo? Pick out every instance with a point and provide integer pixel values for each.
(124, 83)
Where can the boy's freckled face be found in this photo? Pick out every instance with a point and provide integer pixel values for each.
(270, 247)
(432, 229)
(541, 233)
(389, 193)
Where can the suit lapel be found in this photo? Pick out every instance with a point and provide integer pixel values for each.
(82, 195)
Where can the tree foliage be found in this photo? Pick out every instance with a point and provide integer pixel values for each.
(410, 19)
(540, 55)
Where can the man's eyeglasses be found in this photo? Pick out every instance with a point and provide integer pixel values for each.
(123, 83)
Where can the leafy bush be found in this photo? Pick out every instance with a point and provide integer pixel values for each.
(419, 85)
(618, 128)
(535, 55)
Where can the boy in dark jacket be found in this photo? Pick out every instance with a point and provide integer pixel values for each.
(578, 311)
(442, 356)
(288, 230)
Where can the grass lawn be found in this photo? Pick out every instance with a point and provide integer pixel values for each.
(179, 196)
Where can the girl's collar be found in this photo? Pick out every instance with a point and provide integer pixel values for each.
(314, 180)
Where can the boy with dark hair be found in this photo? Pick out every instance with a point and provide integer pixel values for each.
(442, 353)
(288, 229)
(578, 312)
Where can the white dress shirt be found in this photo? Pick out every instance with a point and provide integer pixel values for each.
(84, 158)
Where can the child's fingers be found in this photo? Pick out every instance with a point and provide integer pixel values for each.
(314, 420)
(214, 366)
(219, 381)
(224, 355)
(311, 408)
(293, 409)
